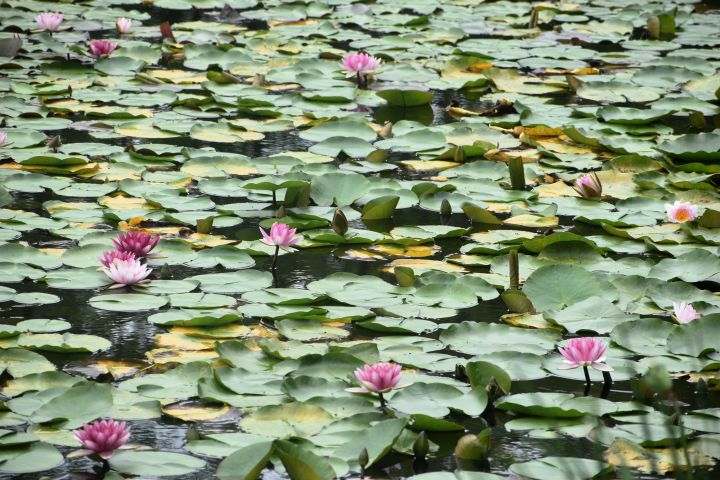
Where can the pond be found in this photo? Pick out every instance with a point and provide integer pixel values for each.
(474, 193)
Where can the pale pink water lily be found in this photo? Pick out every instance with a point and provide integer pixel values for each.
(685, 313)
(127, 272)
(588, 186)
(102, 437)
(584, 352)
(109, 257)
(136, 242)
(3, 139)
(681, 212)
(281, 235)
(49, 21)
(123, 25)
(102, 48)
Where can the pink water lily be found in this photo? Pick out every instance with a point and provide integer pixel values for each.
(3, 139)
(123, 25)
(584, 352)
(127, 272)
(102, 437)
(379, 377)
(359, 64)
(281, 235)
(685, 313)
(681, 212)
(136, 242)
(109, 257)
(49, 21)
(102, 48)
(588, 186)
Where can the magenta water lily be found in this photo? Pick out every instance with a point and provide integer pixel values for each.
(280, 236)
(109, 258)
(102, 48)
(136, 242)
(102, 438)
(49, 21)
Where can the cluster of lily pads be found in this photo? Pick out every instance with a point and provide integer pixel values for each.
(556, 161)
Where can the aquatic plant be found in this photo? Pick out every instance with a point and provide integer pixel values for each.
(360, 65)
(589, 186)
(123, 25)
(136, 242)
(49, 21)
(681, 212)
(377, 378)
(102, 437)
(101, 48)
(109, 257)
(127, 272)
(685, 313)
(281, 236)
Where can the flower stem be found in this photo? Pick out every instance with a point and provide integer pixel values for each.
(382, 401)
(587, 379)
(275, 257)
(607, 383)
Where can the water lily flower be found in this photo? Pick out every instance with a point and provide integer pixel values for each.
(102, 437)
(587, 352)
(127, 272)
(3, 139)
(685, 313)
(377, 378)
(280, 236)
(584, 352)
(102, 48)
(588, 186)
(360, 65)
(136, 242)
(110, 256)
(681, 212)
(123, 25)
(49, 21)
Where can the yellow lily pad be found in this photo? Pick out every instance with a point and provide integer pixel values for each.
(421, 265)
(197, 411)
(533, 221)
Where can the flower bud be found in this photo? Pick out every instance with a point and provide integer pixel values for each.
(421, 446)
(589, 186)
(445, 207)
(474, 447)
(386, 130)
(339, 222)
(363, 458)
